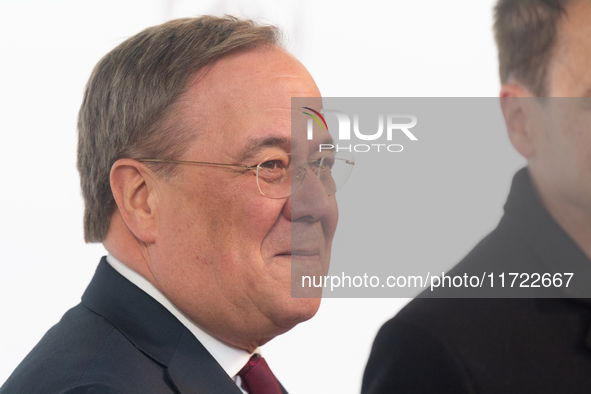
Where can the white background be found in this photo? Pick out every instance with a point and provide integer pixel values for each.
(47, 51)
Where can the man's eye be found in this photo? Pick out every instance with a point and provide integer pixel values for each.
(271, 165)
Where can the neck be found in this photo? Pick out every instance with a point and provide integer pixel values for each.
(125, 247)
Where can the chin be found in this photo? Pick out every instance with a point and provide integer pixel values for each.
(297, 311)
(285, 317)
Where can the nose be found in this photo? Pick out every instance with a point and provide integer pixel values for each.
(310, 200)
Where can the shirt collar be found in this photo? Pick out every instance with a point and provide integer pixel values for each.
(231, 359)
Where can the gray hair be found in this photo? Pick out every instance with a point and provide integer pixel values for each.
(130, 99)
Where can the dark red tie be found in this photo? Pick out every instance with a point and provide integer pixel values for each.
(257, 377)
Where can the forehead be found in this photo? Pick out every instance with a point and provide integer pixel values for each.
(244, 100)
(569, 73)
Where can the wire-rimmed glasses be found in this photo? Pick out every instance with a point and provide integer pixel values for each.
(280, 176)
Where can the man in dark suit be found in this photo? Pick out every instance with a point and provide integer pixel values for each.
(517, 345)
(184, 154)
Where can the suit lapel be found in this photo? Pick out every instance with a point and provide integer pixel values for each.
(194, 371)
(156, 332)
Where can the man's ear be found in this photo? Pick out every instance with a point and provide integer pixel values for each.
(516, 104)
(135, 195)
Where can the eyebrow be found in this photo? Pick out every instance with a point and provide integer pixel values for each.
(256, 145)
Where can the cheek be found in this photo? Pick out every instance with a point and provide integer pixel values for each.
(264, 231)
(240, 228)
(329, 223)
(189, 219)
(566, 159)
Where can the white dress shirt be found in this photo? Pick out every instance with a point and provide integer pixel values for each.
(231, 359)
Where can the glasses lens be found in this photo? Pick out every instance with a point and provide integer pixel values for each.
(334, 170)
(280, 176)
(273, 176)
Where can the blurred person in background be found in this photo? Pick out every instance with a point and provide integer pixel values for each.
(517, 345)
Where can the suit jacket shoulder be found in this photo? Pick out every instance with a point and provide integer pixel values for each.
(492, 345)
(118, 340)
